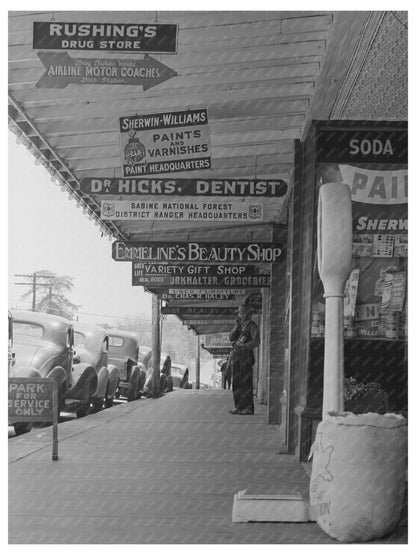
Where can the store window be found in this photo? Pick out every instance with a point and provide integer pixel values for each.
(373, 164)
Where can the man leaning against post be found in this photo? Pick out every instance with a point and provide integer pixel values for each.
(244, 337)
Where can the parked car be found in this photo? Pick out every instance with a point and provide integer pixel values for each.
(165, 377)
(123, 351)
(180, 375)
(43, 344)
(91, 348)
(19, 427)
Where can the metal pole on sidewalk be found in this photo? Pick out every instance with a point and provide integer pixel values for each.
(156, 343)
(198, 362)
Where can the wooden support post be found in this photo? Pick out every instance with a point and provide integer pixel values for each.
(198, 362)
(156, 344)
(55, 413)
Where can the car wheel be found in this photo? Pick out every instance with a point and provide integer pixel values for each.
(22, 428)
(133, 392)
(85, 406)
(108, 401)
(96, 404)
(169, 384)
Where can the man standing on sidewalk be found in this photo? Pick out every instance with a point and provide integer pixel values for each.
(245, 337)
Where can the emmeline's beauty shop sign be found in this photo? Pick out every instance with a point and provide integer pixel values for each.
(166, 142)
(160, 38)
(159, 251)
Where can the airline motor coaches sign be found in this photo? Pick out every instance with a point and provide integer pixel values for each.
(165, 142)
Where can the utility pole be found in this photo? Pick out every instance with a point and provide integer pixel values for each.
(34, 284)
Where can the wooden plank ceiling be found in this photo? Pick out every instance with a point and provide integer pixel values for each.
(255, 73)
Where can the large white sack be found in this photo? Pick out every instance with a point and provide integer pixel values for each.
(358, 475)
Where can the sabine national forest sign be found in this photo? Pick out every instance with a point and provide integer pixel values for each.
(190, 200)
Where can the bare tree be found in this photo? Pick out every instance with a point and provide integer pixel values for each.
(48, 293)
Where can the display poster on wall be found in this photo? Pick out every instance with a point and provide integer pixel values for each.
(160, 38)
(165, 142)
(379, 208)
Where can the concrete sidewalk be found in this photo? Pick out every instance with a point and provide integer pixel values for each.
(155, 471)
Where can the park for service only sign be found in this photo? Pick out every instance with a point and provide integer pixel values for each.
(165, 142)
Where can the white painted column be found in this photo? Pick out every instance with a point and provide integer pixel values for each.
(334, 265)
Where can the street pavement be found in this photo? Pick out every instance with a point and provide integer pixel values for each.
(155, 471)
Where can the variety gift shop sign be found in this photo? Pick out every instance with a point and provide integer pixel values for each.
(165, 142)
(196, 276)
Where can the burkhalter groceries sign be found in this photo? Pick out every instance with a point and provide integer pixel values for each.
(160, 251)
(166, 142)
(197, 275)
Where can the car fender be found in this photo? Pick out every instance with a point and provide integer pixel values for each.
(24, 372)
(59, 375)
(85, 380)
(114, 378)
(103, 376)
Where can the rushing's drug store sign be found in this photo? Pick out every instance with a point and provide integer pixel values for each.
(165, 142)
(158, 38)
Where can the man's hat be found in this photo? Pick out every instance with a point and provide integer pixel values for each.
(245, 308)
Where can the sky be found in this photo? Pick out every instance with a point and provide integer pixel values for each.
(47, 231)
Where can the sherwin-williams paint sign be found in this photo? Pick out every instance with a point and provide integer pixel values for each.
(233, 253)
(158, 38)
(166, 142)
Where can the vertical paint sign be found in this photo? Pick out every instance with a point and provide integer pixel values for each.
(166, 142)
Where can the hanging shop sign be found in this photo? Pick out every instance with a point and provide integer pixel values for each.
(192, 252)
(62, 70)
(198, 295)
(208, 210)
(178, 187)
(197, 275)
(158, 38)
(189, 311)
(217, 352)
(166, 142)
(368, 146)
(208, 322)
(216, 341)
